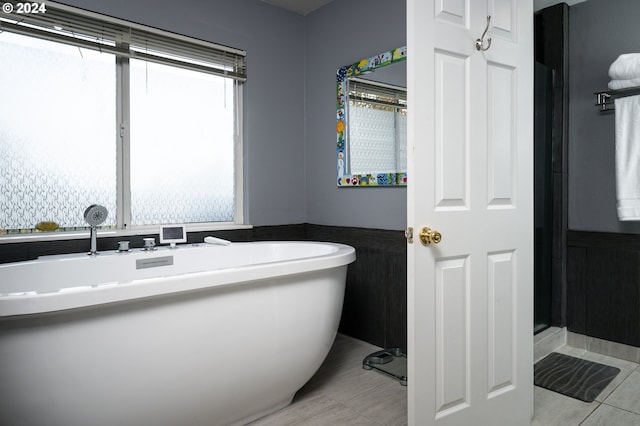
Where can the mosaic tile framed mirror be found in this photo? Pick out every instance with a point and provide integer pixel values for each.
(371, 121)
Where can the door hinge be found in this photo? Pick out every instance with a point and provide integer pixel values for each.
(408, 234)
(122, 130)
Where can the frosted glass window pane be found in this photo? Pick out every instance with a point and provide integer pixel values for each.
(371, 140)
(57, 133)
(182, 146)
(401, 140)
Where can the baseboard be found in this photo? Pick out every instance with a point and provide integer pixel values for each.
(604, 347)
(548, 341)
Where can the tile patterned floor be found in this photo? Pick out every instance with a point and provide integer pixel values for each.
(617, 405)
(343, 394)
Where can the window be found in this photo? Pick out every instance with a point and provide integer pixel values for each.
(100, 111)
(180, 168)
(57, 132)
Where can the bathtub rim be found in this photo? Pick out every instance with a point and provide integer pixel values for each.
(15, 305)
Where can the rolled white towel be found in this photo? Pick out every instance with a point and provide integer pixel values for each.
(625, 67)
(624, 84)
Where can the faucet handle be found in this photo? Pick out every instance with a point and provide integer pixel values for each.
(123, 246)
(149, 243)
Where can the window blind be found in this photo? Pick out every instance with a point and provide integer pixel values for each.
(377, 93)
(89, 30)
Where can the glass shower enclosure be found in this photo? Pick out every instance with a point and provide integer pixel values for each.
(543, 196)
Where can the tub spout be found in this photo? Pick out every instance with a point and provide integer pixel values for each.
(149, 244)
(214, 240)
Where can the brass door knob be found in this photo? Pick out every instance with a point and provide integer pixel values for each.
(428, 236)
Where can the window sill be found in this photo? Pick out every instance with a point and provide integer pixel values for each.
(146, 230)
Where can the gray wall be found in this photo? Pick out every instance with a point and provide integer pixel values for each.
(599, 31)
(290, 148)
(338, 34)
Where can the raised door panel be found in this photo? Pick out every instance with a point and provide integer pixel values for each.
(501, 321)
(503, 19)
(501, 137)
(452, 138)
(452, 335)
(453, 11)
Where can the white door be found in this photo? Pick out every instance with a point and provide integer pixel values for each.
(470, 297)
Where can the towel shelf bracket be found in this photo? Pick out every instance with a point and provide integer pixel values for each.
(604, 99)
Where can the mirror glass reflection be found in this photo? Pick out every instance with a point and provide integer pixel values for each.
(376, 126)
(371, 121)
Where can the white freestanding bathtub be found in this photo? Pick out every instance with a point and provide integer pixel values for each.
(197, 335)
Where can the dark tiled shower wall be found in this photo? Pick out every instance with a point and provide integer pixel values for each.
(603, 286)
(375, 304)
(551, 49)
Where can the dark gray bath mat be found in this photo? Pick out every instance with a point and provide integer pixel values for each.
(572, 376)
